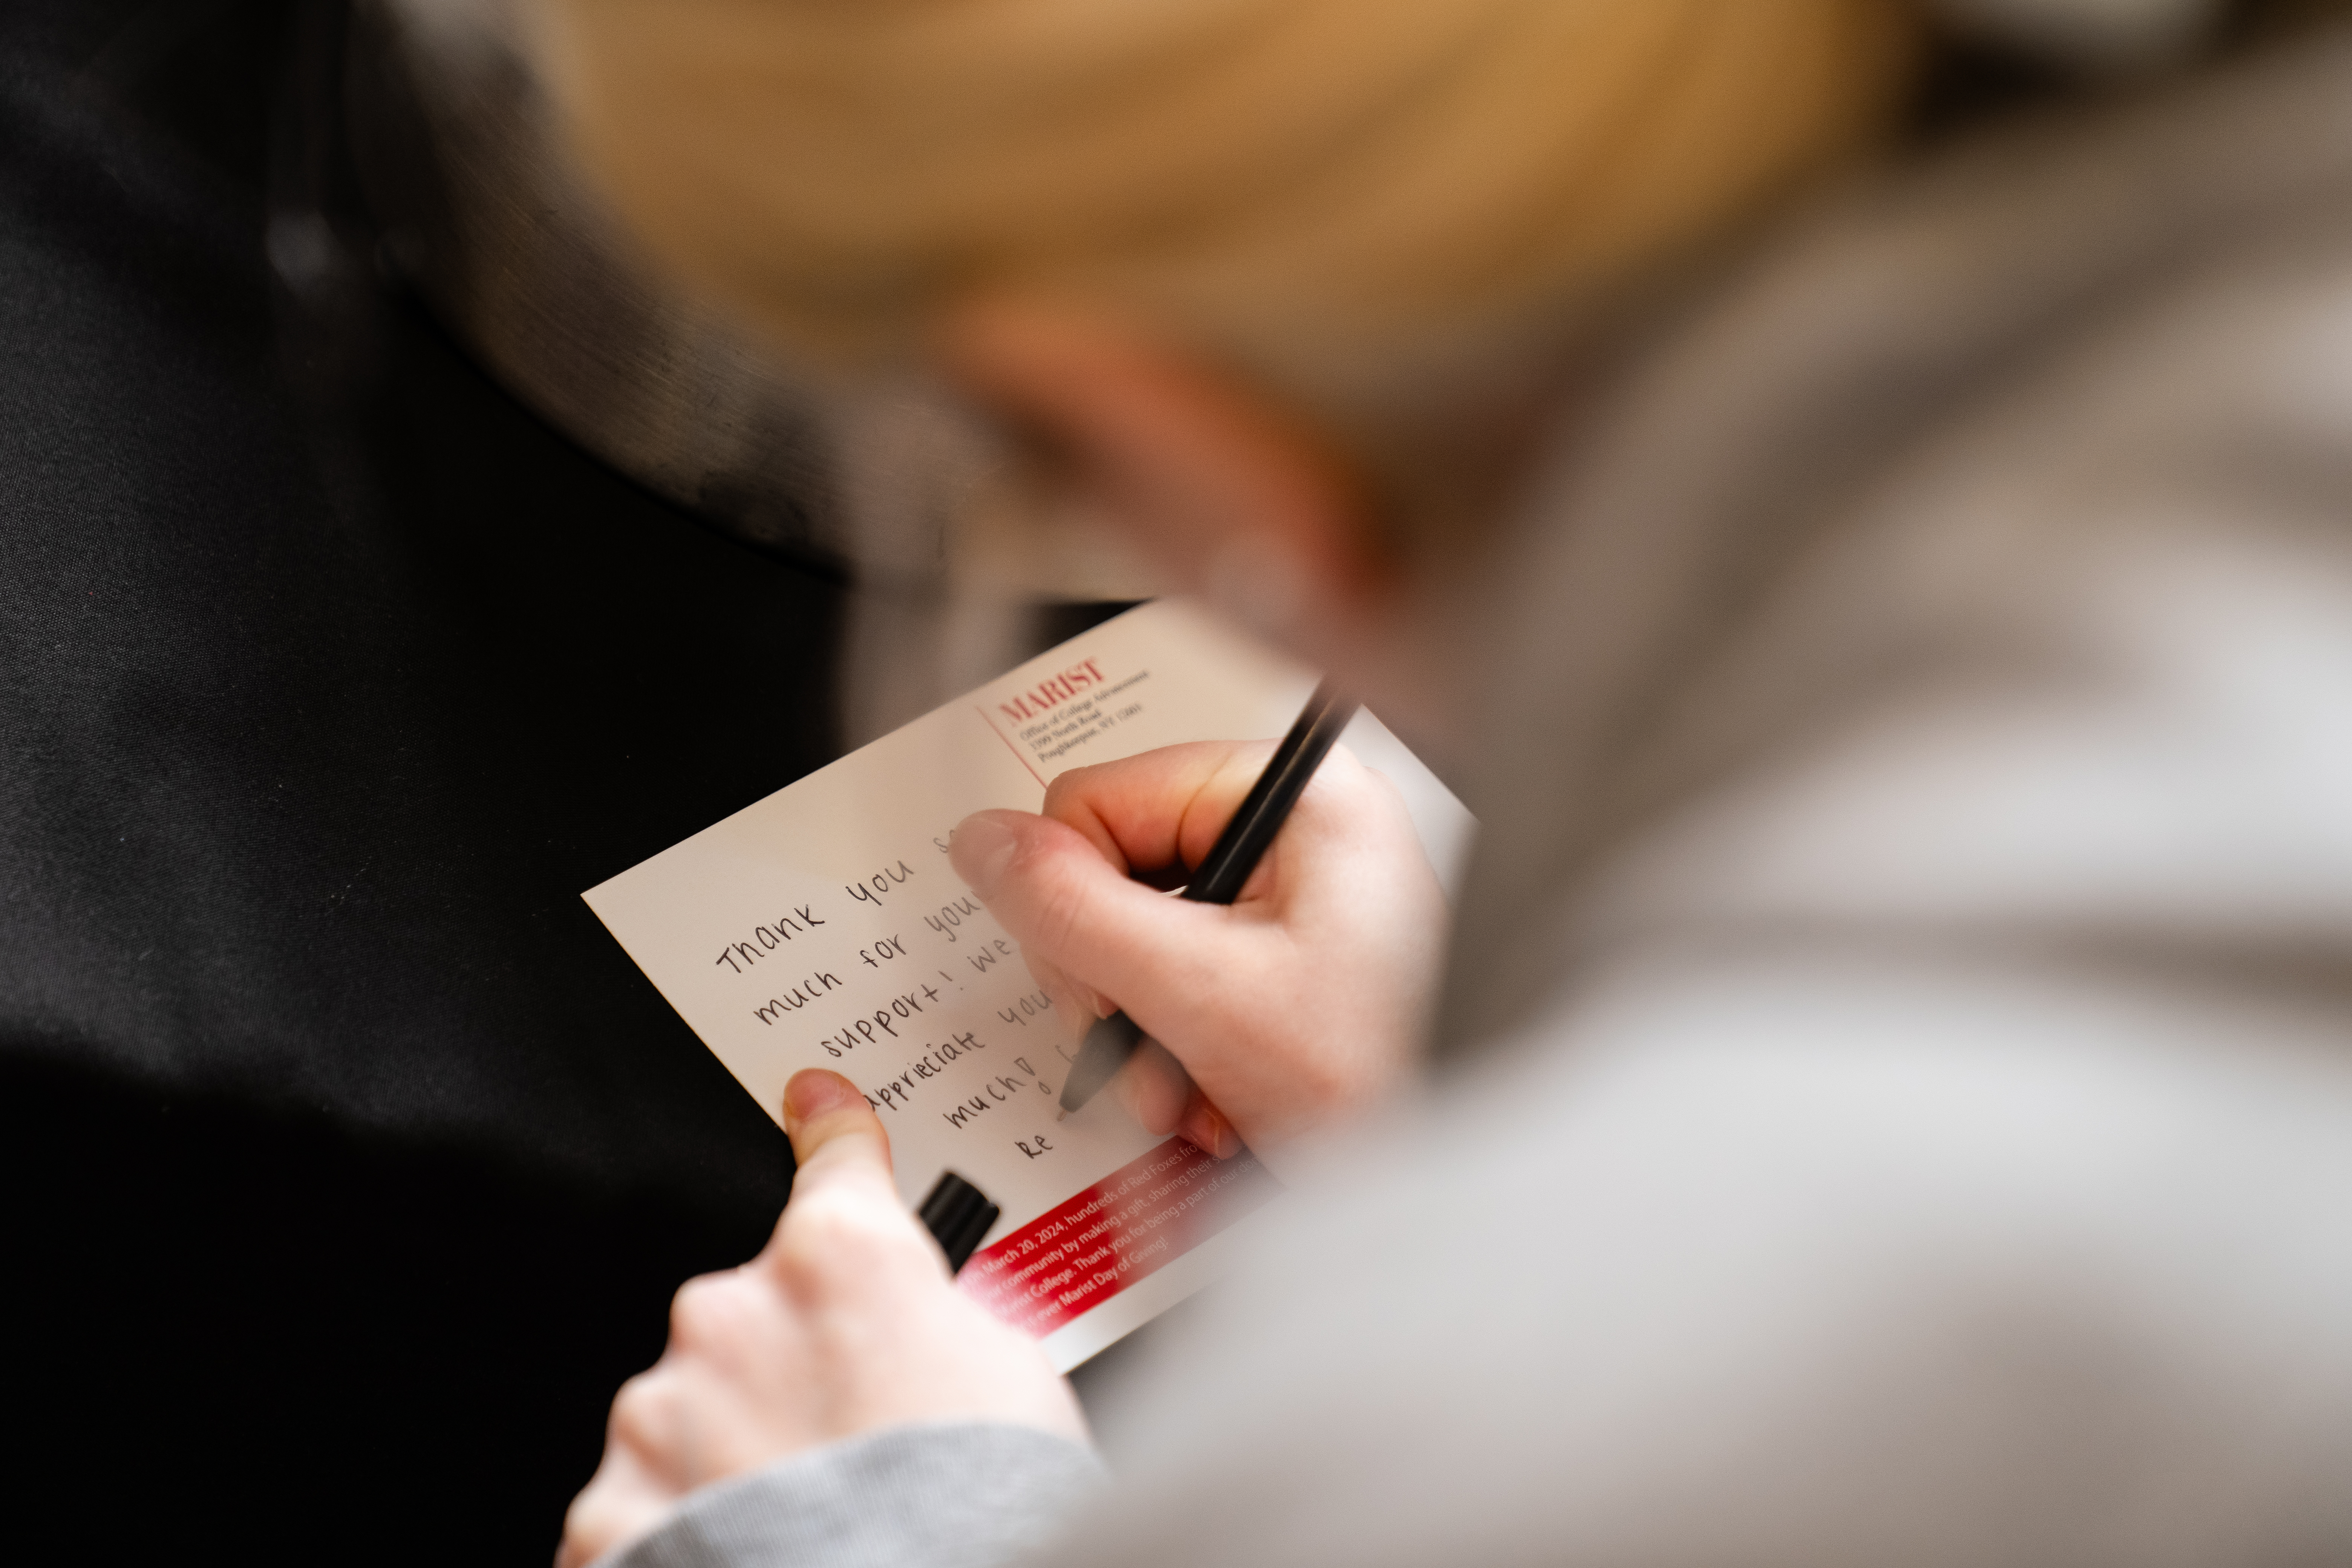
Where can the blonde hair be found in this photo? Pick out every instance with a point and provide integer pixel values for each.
(1362, 202)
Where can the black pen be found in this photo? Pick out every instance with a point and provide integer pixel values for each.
(1224, 871)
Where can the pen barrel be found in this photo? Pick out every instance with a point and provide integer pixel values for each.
(1225, 869)
(1108, 1045)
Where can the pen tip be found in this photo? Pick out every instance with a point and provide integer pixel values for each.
(1061, 1116)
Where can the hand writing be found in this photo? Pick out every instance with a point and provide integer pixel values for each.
(844, 1324)
(1299, 1004)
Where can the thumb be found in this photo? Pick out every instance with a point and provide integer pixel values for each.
(835, 1134)
(844, 1237)
(1073, 912)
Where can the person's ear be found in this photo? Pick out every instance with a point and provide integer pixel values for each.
(1227, 493)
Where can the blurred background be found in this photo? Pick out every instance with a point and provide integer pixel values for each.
(368, 588)
(385, 558)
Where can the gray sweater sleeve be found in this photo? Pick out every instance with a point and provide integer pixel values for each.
(945, 1496)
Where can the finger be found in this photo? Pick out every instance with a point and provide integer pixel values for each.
(1205, 1127)
(1057, 896)
(1162, 1098)
(1154, 1088)
(621, 1502)
(844, 1237)
(1158, 815)
(1163, 807)
(1077, 1005)
(835, 1132)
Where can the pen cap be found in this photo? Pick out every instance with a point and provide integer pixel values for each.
(958, 1214)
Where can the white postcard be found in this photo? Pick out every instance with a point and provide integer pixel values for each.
(823, 927)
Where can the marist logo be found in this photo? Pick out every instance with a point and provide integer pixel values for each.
(1052, 692)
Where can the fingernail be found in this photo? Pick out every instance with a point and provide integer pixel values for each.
(813, 1091)
(982, 847)
(1224, 1141)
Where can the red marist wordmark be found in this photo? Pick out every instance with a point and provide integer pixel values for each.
(1051, 692)
(1125, 1227)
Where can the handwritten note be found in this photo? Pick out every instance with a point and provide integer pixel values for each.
(823, 927)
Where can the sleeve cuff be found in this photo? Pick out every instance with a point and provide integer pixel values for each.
(954, 1495)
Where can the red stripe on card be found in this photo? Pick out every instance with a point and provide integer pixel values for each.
(1125, 1227)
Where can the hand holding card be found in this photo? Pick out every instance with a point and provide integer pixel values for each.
(776, 1357)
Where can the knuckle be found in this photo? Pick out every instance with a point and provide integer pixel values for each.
(1333, 1079)
(589, 1526)
(839, 1237)
(644, 1414)
(1236, 770)
(1346, 787)
(710, 1309)
(1328, 1081)
(1071, 784)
